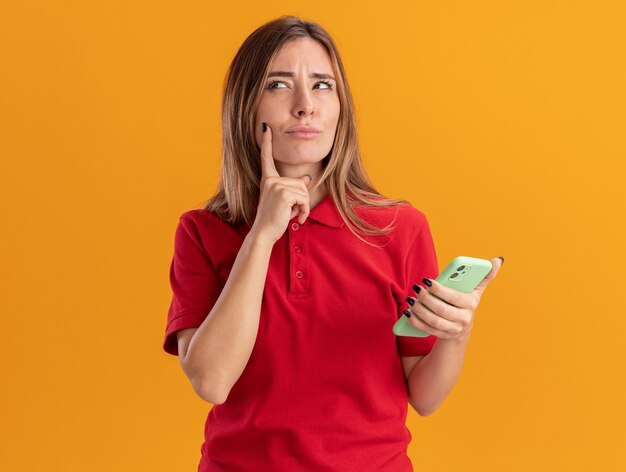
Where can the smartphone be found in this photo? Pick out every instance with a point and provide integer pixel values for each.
(462, 274)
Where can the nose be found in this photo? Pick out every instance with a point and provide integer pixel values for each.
(303, 105)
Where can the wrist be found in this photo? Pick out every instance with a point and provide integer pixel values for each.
(459, 340)
(259, 240)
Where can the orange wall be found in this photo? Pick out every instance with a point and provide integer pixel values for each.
(503, 121)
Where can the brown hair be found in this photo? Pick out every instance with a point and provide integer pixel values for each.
(238, 193)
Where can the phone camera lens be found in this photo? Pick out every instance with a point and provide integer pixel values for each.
(461, 268)
(453, 276)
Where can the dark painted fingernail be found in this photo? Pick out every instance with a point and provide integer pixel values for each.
(416, 288)
(264, 126)
(410, 300)
(502, 258)
(427, 282)
(407, 313)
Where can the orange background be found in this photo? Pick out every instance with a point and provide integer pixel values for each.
(504, 122)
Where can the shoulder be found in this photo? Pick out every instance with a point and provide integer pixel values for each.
(198, 215)
(402, 216)
(206, 229)
(203, 220)
(201, 225)
(409, 224)
(408, 214)
(403, 221)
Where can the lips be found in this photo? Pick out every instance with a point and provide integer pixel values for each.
(303, 129)
(303, 134)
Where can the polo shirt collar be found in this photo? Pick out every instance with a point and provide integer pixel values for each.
(326, 212)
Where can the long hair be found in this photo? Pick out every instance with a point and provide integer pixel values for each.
(347, 181)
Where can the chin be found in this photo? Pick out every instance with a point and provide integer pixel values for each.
(300, 156)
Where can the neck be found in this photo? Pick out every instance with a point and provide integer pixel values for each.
(318, 195)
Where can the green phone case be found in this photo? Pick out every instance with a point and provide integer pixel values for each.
(462, 274)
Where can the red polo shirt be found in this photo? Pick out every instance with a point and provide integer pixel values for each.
(324, 387)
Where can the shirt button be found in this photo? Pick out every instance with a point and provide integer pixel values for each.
(299, 274)
(297, 249)
(295, 226)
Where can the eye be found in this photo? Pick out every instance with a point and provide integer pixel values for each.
(330, 86)
(325, 82)
(270, 86)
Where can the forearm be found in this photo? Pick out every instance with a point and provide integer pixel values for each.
(434, 376)
(222, 345)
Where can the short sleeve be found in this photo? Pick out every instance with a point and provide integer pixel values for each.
(194, 282)
(421, 261)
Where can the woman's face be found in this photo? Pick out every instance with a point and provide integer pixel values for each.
(295, 97)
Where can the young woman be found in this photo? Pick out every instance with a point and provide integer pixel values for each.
(287, 284)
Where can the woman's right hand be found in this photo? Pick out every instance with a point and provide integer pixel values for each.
(281, 198)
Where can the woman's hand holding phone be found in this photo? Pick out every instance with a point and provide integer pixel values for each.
(445, 312)
(281, 198)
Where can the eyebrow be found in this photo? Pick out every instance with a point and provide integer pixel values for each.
(284, 73)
